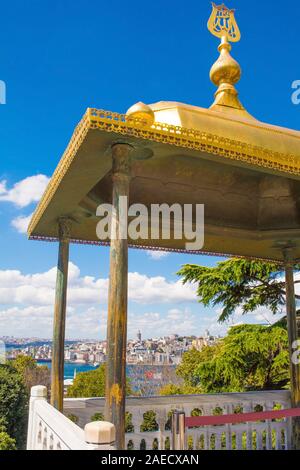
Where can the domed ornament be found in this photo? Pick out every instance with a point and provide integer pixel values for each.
(142, 113)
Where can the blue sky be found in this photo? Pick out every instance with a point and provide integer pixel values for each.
(60, 57)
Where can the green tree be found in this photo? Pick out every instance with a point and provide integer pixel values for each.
(90, 384)
(250, 357)
(190, 360)
(13, 404)
(186, 371)
(32, 373)
(236, 283)
(23, 363)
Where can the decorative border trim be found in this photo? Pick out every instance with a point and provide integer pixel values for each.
(78, 241)
(196, 140)
(166, 134)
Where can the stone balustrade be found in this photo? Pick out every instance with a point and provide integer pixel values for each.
(48, 429)
(148, 421)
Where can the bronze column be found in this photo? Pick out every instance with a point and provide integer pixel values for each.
(58, 344)
(293, 337)
(115, 391)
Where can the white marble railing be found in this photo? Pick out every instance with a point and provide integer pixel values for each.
(269, 434)
(48, 429)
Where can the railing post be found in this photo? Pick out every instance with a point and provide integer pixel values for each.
(39, 392)
(100, 435)
(178, 430)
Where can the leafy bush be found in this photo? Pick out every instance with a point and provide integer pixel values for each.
(6, 442)
(90, 384)
(13, 405)
(73, 418)
(32, 373)
(97, 417)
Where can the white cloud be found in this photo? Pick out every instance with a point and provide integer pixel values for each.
(261, 316)
(27, 321)
(265, 316)
(27, 302)
(157, 255)
(38, 289)
(2, 187)
(157, 306)
(21, 223)
(37, 321)
(145, 289)
(24, 192)
(157, 324)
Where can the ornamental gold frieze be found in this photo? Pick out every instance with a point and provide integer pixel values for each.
(197, 140)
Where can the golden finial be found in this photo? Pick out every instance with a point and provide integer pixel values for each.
(225, 72)
(222, 23)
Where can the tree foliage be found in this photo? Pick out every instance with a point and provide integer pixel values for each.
(6, 442)
(186, 371)
(149, 422)
(184, 389)
(23, 363)
(32, 373)
(233, 283)
(90, 384)
(13, 405)
(250, 357)
(190, 361)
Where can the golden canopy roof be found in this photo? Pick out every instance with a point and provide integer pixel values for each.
(245, 172)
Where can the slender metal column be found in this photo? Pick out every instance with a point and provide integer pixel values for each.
(293, 337)
(115, 392)
(58, 344)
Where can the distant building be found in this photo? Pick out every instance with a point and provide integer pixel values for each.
(139, 336)
(206, 340)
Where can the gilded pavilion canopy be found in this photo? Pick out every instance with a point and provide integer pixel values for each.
(245, 172)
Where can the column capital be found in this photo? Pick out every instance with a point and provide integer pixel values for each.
(64, 228)
(288, 255)
(121, 154)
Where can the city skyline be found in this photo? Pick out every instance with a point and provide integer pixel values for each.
(30, 339)
(166, 350)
